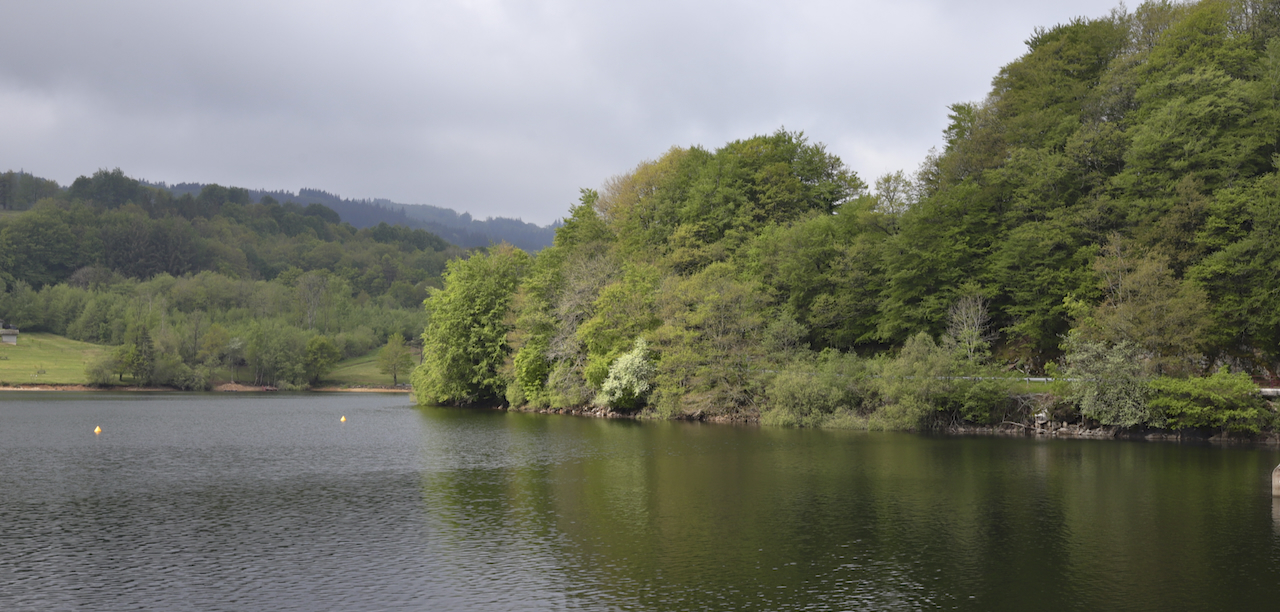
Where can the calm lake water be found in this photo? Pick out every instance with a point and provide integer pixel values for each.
(235, 502)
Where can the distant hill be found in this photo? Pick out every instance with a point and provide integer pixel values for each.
(459, 229)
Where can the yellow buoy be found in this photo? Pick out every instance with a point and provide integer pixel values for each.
(97, 430)
(343, 419)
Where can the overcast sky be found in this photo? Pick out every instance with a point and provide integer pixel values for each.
(491, 107)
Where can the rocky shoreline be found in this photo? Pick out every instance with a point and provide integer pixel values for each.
(1054, 430)
(1086, 432)
(744, 418)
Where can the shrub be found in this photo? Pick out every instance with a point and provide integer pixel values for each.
(1224, 400)
(630, 379)
(1108, 382)
(810, 393)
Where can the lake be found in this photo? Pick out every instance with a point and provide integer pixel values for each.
(270, 502)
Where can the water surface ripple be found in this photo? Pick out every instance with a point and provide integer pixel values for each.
(253, 502)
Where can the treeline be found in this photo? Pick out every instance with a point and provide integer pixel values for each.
(20, 191)
(189, 286)
(1105, 213)
(459, 229)
(113, 222)
(182, 331)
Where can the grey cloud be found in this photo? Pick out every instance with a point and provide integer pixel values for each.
(497, 108)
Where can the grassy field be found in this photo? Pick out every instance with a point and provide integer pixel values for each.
(1028, 386)
(55, 360)
(362, 370)
(46, 358)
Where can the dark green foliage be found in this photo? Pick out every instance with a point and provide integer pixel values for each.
(20, 191)
(114, 223)
(138, 355)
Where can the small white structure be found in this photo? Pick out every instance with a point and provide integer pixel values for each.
(7, 335)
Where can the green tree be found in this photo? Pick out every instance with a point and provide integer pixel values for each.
(1146, 306)
(395, 358)
(38, 247)
(276, 353)
(321, 357)
(139, 356)
(1224, 401)
(464, 345)
(1109, 382)
(630, 379)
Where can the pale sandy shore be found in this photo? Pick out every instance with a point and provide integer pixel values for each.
(363, 390)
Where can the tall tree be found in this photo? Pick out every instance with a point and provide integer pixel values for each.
(395, 358)
(464, 345)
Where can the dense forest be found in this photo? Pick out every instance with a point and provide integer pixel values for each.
(187, 284)
(1107, 214)
(460, 229)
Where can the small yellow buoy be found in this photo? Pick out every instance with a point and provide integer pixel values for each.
(343, 419)
(97, 430)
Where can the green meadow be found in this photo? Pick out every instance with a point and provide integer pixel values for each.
(361, 370)
(41, 358)
(46, 358)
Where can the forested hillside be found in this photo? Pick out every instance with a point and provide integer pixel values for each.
(459, 229)
(1108, 211)
(184, 285)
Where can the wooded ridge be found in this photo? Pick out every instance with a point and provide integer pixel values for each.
(1109, 211)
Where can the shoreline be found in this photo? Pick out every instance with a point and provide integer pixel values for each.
(1008, 429)
(746, 418)
(1058, 431)
(1102, 432)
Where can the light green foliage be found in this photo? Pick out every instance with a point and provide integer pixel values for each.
(104, 369)
(624, 309)
(912, 385)
(1146, 306)
(566, 387)
(630, 379)
(464, 344)
(1109, 382)
(1222, 401)
(395, 358)
(817, 391)
(171, 371)
(709, 343)
(276, 354)
(928, 381)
